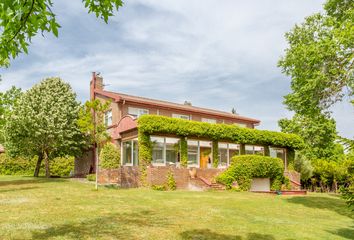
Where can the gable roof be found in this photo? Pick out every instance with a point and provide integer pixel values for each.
(120, 97)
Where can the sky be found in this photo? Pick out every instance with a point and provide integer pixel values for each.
(215, 54)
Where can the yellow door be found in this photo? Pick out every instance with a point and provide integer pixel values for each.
(204, 157)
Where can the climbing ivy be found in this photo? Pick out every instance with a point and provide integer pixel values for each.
(152, 124)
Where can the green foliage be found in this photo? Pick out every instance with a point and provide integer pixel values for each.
(158, 187)
(92, 125)
(171, 182)
(7, 102)
(43, 123)
(62, 166)
(303, 166)
(91, 177)
(145, 155)
(320, 59)
(184, 152)
(20, 21)
(348, 194)
(245, 167)
(215, 154)
(319, 134)
(110, 156)
(150, 124)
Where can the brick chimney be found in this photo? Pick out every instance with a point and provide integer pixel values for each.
(95, 83)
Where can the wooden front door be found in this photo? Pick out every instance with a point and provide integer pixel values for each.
(204, 157)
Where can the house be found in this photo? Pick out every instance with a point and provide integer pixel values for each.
(208, 156)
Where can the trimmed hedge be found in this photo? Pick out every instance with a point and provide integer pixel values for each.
(245, 167)
(153, 124)
(110, 156)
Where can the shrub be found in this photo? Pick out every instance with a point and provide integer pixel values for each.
(91, 177)
(109, 156)
(171, 183)
(245, 167)
(25, 166)
(158, 187)
(62, 166)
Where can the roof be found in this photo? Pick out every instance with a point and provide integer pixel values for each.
(120, 97)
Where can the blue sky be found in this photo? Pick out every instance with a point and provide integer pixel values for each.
(216, 54)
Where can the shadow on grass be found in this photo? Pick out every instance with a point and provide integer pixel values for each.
(114, 226)
(347, 233)
(206, 234)
(17, 189)
(333, 204)
(30, 181)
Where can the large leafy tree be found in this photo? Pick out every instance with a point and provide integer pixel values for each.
(320, 59)
(7, 101)
(21, 20)
(43, 123)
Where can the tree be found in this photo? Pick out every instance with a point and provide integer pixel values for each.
(320, 59)
(43, 123)
(110, 156)
(20, 21)
(91, 123)
(7, 102)
(319, 134)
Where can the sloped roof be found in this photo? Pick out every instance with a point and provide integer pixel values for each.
(120, 97)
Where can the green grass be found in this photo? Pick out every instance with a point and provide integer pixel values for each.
(64, 209)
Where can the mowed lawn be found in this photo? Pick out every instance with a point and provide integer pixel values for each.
(65, 209)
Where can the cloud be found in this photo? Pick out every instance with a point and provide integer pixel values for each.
(215, 54)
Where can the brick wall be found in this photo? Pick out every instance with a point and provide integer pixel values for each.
(130, 177)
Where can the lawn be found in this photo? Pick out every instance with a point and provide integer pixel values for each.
(65, 209)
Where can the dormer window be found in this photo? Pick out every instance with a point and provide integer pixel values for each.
(108, 118)
(137, 112)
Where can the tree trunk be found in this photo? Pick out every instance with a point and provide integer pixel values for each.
(38, 165)
(46, 160)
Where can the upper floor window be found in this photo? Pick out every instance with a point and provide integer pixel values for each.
(208, 120)
(182, 116)
(241, 124)
(108, 118)
(137, 112)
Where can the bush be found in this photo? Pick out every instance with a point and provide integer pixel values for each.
(171, 183)
(109, 156)
(62, 166)
(21, 166)
(245, 167)
(159, 187)
(91, 177)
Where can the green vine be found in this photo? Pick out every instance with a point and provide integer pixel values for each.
(145, 156)
(215, 154)
(184, 152)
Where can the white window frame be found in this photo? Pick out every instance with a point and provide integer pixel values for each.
(209, 120)
(137, 112)
(108, 118)
(181, 116)
(131, 152)
(198, 154)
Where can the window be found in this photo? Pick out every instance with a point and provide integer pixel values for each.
(226, 152)
(137, 112)
(165, 150)
(172, 150)
(108, 118)
(158, 150)
(130, 154)
(257, 150)
(277, 152)
(127, 153)
(193, 153)
(223, 154)
(208, 120)
(244, 125)
(185, 117)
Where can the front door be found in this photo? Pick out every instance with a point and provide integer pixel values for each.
(205, 154)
